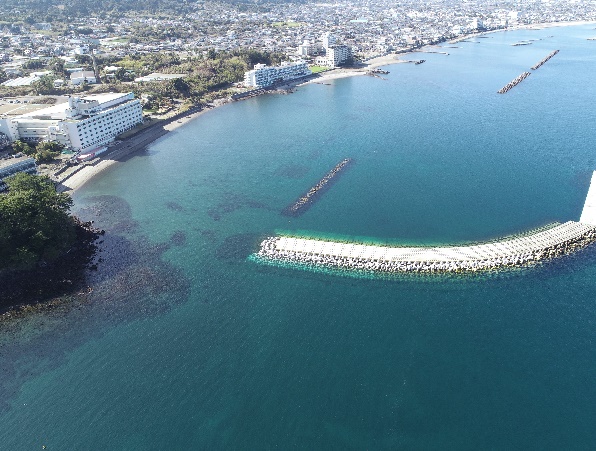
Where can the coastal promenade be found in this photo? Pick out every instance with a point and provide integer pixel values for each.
(509, 252)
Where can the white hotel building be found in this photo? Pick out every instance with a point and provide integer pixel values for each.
(262, 75)
(81, 124)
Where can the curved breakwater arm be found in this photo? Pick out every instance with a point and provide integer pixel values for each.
(509, 252)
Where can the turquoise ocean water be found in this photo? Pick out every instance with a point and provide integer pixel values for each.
(184, 344)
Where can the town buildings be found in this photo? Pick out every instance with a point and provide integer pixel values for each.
(309, 49)
(81, 124)
(84, 76)
(262, 75)
(370, 28)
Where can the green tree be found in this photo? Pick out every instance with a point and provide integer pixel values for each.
(44, 85)
(23, 147)
(35, 224)
(33, 64)
(50, 146)
(47, 151)
(57, 66)
(44, 156)
(181, 86)
(84, 59)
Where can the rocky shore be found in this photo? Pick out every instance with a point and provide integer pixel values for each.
(63, 276)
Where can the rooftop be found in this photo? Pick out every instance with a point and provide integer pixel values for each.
(19, 109)
(59, 111)
(11, 161)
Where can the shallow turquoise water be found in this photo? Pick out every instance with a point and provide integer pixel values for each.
(243, 356)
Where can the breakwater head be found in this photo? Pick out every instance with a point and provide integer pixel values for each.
(589, 211)
(304, 202)
(549, 56)
(507, 253)
(513, 83)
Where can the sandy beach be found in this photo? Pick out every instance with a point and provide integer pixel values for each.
(146, 136)
(129, 145)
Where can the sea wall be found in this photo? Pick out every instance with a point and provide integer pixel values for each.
(510, 252)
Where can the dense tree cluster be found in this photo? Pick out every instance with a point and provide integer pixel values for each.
(205, 74)
(35, 224)
(43, 152)
(32, 11)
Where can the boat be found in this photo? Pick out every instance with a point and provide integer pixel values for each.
(90, 155)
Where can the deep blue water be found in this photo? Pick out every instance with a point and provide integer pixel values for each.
(184, 344)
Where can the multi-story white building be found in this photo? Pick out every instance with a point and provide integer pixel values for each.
(81, 124)
(308, 48)
(84, 76)
(328, 40)
(336, 55)
(262, 75)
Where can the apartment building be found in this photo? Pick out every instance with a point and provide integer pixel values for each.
(262, 75)
(337, 55)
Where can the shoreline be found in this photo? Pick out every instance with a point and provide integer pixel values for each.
(153, 132)
(129, 145)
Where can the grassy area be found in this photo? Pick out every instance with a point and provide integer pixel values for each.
(286, 24)
(317, 69)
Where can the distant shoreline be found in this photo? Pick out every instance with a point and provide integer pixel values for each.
(152, 133)
(394, 58)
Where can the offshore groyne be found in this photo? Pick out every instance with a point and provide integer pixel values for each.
(508, 253)
(304, 202)
(513, 83)
(549, 56)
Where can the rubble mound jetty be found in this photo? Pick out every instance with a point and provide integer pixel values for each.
(549, 56)
(313, 194)
(513, 83)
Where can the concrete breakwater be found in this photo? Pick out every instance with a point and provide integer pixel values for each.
(313, 194)
(510, 252)
(588, 215)
(513, 83)
(549, 56)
